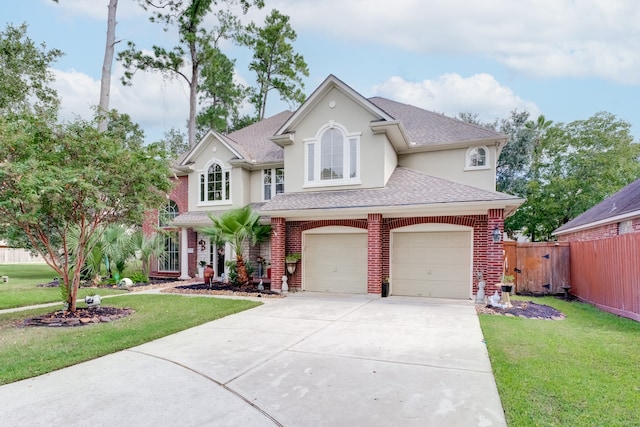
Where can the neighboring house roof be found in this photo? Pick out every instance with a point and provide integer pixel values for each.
(622, 205)
(427, 128)
(405, 187)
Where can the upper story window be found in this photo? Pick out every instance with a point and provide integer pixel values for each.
(273, 182)
(215, 184)
(332, 157)
(477, 158)
(168, 214)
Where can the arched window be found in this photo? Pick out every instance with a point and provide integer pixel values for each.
(477, 158)
(170, 260)
(168, 214)
(332, 157)
(215, 184)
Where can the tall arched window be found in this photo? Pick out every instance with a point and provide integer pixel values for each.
(215, 184)
(170, 260)
(332, 157)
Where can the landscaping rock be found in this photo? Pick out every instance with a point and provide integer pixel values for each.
(81, 317)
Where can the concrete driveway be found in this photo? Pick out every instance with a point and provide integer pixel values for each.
(305, 360)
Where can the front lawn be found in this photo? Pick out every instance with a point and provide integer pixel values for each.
(581, 371)
(22, 289)
(26, 352)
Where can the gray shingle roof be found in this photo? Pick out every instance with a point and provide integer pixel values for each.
(254, 139)
(625, 201)
(429, 128)
(406, 187)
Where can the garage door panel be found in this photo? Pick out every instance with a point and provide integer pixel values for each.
(336, 263)
(434, 264)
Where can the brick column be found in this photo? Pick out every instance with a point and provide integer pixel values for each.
(278, 248)
(495, 251)
(374, 257)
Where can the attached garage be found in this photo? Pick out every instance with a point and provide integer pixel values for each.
(432, 261)
(335, 260)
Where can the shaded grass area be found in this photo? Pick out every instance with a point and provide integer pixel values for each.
(581, 371)
(22, 289)
(28, 352)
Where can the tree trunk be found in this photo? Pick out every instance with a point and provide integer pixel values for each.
(243, 277)
(105, 81)
(193, 96)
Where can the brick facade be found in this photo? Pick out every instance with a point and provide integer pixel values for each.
(487, 256)
(180, 195)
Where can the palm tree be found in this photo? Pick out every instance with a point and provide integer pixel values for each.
(236, 227)
(145, 248)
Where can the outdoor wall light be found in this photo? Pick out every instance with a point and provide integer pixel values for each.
(496, 235)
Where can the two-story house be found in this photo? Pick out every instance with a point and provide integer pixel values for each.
(364, 189)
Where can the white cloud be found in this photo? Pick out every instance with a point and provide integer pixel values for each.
(155, 103)
(97, 9)
(452, 94)
(545, 38)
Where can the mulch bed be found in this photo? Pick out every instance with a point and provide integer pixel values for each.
(81, 317)
(91, 316)
(220, 288)
(526, 309)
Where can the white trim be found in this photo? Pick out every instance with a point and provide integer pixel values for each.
(335, 229)
(346, 157)
(184, 255)
(205, 172)
(433, 227)
(467, 158)
(317, 96)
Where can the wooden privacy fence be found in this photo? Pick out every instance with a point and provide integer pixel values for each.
(538, 268)
(606, 273)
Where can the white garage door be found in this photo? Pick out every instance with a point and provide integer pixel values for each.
(335, 263)
(432, 264)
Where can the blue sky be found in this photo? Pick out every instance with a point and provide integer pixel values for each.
(566, 59)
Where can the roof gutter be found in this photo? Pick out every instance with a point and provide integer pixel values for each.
(400, 211)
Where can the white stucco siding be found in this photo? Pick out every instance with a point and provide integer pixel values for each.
(337, 107)
(450, 164)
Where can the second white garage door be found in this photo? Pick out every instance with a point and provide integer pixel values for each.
(335, 263)
(432, 264)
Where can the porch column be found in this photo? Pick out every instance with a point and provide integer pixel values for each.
(374, 255)
(495, 251)
(278, 248)
(184, 254)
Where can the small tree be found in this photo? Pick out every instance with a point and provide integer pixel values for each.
(59, 180)
(237, 227)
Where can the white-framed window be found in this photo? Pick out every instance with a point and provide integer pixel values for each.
(215, 184)
(273, 182)
(477, 158)
(170, 260)
(168, 214)
(332, 157)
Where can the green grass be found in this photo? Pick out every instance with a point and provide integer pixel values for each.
(30, 351)
(22, 289)
(581, 371)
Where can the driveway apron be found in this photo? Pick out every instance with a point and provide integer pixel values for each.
(310, 359)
